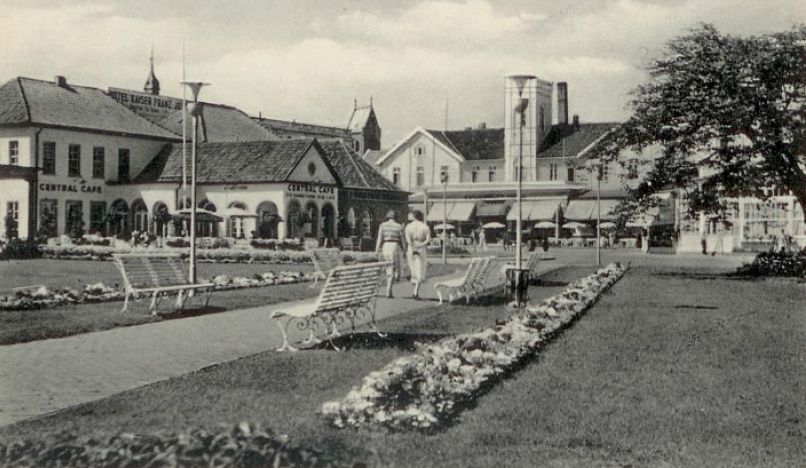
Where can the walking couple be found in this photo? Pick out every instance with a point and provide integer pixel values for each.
(393, 240)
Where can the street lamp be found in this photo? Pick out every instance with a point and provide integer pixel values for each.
(444, 179)
(597, 167)
(195, 109)
(520, 108)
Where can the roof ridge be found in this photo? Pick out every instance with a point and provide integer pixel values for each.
(358, 169)
(24, 100)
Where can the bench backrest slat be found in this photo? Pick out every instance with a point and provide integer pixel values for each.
(151, 271)
(325, 260)
(350, 287)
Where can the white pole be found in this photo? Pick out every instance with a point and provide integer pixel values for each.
(193, 205)
(444, 222)
(519, 196)
(598, 219)
(184, 128)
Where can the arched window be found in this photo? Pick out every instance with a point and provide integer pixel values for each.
(162, 218)
(235, 220)
(139, 216)
(267, 218)
(351, 221)
(366, 224)
(207, 205)
(118, 217)
(311, 220)
(294, 220)
(328, 221)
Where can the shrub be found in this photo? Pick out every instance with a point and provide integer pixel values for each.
(241, 445)
(19, 249)
(178, 243)
(775, 264)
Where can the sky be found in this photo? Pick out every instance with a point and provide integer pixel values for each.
(309, 59)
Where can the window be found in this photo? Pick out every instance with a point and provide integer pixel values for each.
(123, 165)
(420, 176)
(396, 176)
(13, 152)
(74, 161)
(552, 171)
(73, 215)
(357, 146)
(49, 158)
(570, 171)
(97, 215)
(444, 176)
(419, 151)
(632, 168)
(491, 173)
(474, 174)
(12, 211)
(48, 216)
(98, 162)
(605, 172)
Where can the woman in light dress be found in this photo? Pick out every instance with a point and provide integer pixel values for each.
(418, 235)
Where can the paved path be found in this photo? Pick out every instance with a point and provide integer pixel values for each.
(44, 376)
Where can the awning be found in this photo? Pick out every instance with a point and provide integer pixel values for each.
(461, 211)
(491, 210)
(435, 212)
(202, 216)
(584, 210)
(543, 210)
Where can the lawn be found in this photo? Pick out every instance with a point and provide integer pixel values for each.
(663, 370)
(31, 325)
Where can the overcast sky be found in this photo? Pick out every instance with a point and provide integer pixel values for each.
(308, 59)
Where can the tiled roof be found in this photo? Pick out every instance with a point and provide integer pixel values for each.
(569, 141)
(26, 100)
(287, 129)
(474, 144)
(221, 123)
(353, 171)
(358, 119)
(221, 162)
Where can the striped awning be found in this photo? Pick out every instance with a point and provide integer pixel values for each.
(542, 210)
(492, 209)
(435, 212)
(461, 211)
(585, 210)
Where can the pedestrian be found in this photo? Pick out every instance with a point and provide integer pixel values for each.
(483, 239)
(389, 245)
(638, 241)
(545, 244)
(417, 236)
(718, 244)
(474, 239)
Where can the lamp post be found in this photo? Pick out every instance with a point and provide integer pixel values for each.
(598, 215)
(520, 108)
(195, 109)
(444, 180)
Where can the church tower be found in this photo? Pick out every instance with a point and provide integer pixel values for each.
(152, 85)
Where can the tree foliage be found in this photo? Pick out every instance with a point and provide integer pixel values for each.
(727, 113)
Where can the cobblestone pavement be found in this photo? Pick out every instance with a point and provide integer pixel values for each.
(44, 376)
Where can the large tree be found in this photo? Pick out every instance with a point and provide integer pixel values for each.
(727, 113)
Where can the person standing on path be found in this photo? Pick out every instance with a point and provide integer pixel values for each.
(389, 246)
(417, 236)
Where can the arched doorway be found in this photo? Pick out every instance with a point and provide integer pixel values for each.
(207, 228)
(328, 221)
(162, 219)
(294, 220)
(351, 222)
(118, 218)
(139, 215)
(366, 223)
(268, 217)
(311, 220)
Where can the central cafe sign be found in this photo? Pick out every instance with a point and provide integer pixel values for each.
(310, 190)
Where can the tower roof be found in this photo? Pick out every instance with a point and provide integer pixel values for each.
(152, 83)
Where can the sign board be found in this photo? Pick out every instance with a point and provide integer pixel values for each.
(311, 191)
(83, 188)
(154, 108)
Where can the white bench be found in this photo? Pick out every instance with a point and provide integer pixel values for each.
(470, 284)
(349, 292)
(324, 260)
(157, 274)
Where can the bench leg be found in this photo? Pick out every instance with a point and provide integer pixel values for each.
(208, 293)
(439, 293)
(374, 324)
(153, 305)
(125, 303)
(310, 324)
(180, 300)
(283, 329)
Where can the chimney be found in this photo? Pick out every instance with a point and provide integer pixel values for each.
(562, 103)
(61, 81)
(483, 126)
(576, 121)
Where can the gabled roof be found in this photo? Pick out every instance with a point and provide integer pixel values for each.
(437, 136)
(289, 129)
(571, 140)
(359, 117)
(220, 123)
(38, 102)
(353, 171)
(224, 162)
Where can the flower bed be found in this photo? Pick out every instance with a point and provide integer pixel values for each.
(92, 252)
(241, 445)
(43, 296)
(428, 388)
(775, 264)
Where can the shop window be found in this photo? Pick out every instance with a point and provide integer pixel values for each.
(420, 175)
(118, 217)
(492, 173)
(13, 152)
(474, 173)
(97, 217)
(123, 165)
(48, 217)
(396, 176)
(140, 218)
(74, 160)
(74, 216)
(49, 158)
(269, 218)
(12, 217)
(98, 162)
